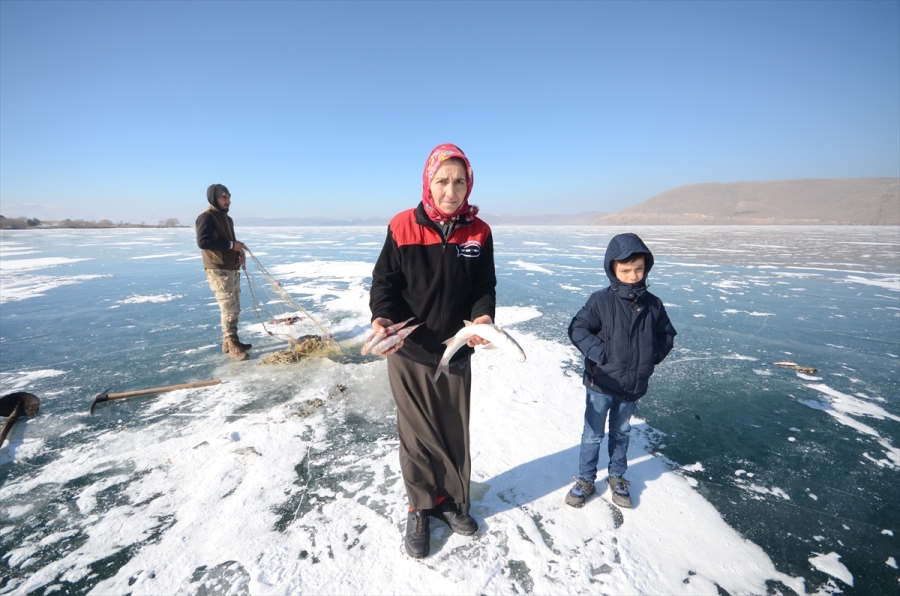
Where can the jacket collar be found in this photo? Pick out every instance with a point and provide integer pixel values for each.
(629, 292)
(423, 220)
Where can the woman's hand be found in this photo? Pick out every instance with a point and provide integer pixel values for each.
(475, 340)
(378, 326)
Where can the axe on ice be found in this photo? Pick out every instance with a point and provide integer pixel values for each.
(106, 396)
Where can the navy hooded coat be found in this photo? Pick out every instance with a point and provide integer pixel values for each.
(623, 330)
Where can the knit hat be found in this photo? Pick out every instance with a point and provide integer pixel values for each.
(215, 192)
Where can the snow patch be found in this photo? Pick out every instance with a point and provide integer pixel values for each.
(831, 564)
(20, 380)
(531, 267)
(740, 357)
(22, 287)
(157, 298)
(887, 282)
(162, 256)
(7, 266)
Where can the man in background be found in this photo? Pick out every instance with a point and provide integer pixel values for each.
(223, 256)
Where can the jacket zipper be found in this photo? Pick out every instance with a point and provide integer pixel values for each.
(444, 240)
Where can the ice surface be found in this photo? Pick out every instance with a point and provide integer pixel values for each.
(277, 482)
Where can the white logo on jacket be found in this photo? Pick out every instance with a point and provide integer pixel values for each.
(470, 248)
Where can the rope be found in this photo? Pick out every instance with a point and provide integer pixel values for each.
(279, 290)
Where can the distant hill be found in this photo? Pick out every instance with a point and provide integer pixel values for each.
(855, 201)
(564, 219)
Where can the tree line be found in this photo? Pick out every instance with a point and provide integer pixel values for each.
(28, 223)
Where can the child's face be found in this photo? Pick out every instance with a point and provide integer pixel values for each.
(630, 273)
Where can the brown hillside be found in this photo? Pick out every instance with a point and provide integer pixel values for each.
(856, 201)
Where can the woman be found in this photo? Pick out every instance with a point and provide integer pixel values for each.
(437, 265)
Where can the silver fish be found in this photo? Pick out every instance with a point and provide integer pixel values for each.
(496, 336)
(379, 336)
(392, 340)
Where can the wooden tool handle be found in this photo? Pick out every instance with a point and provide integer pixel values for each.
(163, 389)
(9, 422)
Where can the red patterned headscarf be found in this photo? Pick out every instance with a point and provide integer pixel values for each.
(440, 154)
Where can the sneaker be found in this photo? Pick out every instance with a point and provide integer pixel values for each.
(460, 523)
(582, 489)
(619, 488)
(418, 534)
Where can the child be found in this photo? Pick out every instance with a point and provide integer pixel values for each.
(623, 332)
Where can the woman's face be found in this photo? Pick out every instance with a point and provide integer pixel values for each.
(449, 186)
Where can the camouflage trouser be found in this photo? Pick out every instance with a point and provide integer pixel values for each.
(226, 285)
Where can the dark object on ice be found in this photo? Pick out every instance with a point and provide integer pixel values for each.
(418, 534)
(15, 405)
(460, 523)
(289, 320)
(616, 514)
(308, 407)
(696, 416)
(102, 397)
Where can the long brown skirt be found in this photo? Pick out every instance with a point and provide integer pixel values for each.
(433, 423)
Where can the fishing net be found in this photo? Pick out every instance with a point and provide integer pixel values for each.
(303, 347)
(283, 318)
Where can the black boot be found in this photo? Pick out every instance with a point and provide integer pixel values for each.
(460, 523)
(418, 534)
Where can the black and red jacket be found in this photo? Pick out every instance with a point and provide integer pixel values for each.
(439, 282)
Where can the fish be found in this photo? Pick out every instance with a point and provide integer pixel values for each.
(379, 336)
(392, 340)
(495, 335)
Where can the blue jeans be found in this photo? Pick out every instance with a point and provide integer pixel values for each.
(598, 406)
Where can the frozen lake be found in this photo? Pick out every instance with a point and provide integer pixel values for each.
(747, 478)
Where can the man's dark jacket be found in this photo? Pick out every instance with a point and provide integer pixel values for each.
(439, 281)
(623, 330)
(215, 233)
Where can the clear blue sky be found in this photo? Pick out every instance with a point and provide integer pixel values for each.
(129, 110)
